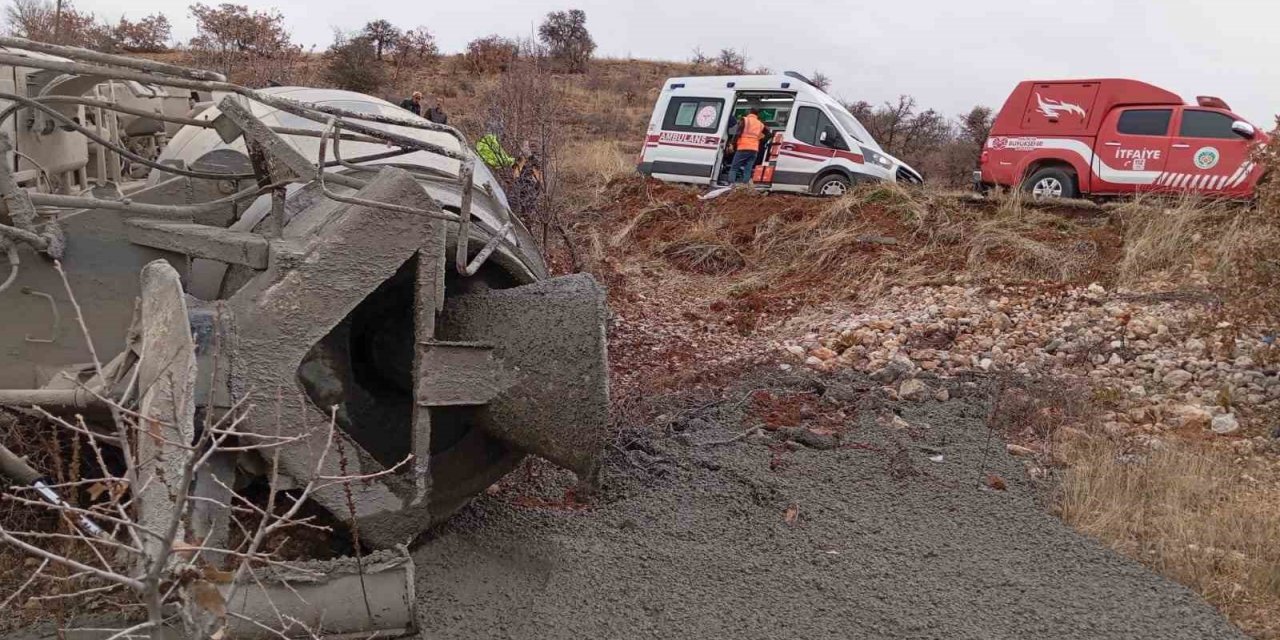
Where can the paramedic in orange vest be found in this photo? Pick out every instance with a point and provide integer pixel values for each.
(744, 157)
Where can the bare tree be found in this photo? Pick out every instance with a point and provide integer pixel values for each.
(565, 35)
(491, 54)
(250, 47)
(944, 150)
(416, 47)
(729, 61)
(522, 111)
(61, 24)
(150, 34)
(701, 62)
(351, 63)
(975, 127)
(820, 80)
(383, 35)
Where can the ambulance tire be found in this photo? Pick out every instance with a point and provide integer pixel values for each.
(1050, 184)
(833, 184)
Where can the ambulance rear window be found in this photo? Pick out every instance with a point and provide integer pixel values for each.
(1145, 122)
(700, 115)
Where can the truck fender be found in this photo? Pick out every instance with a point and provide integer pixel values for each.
(1056, 157)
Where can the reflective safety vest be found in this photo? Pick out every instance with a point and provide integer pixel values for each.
(752, 134)
(492, 153)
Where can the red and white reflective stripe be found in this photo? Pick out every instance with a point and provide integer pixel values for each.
(818, 154)
(792, 154)
(1203, 181)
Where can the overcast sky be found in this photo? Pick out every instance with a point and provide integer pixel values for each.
(949, 54)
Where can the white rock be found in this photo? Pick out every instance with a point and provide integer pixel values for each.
(1020, 451)
(1191, 416)
(1178, 379)
(1225, 425)
(911, 389)
(796, 350)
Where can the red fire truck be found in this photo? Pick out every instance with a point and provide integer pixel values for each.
(1067, 138)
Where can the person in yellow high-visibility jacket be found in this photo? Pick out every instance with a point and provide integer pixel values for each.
(490, 150)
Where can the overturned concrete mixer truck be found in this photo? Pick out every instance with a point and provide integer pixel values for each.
(290, 256)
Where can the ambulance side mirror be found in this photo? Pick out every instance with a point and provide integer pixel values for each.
(1244, 129)
(829, 137)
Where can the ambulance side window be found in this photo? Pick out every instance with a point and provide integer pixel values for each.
(1144, 122)
(695, 115)
(1206, 124)
(811, 123)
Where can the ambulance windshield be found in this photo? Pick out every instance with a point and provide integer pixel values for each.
(851, 125)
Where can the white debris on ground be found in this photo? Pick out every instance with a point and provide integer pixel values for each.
(1164, 364)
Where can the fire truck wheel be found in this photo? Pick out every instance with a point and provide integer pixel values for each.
(831, 185)
(1051, 183)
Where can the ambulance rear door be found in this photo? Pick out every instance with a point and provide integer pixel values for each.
(686, 145)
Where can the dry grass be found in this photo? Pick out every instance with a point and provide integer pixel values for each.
(1178, 236)
(592, 165)
(877, 236)
(1225, 247)
(1191, 513)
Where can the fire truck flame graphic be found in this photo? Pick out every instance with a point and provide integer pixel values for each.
(1051, 108)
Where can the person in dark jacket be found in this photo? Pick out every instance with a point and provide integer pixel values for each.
(413, 103)
(436, 113)
(529, 182)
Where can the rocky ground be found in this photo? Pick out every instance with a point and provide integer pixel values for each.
(1163, 366)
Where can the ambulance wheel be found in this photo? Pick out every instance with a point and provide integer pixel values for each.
(1050, 184)
(831, 185)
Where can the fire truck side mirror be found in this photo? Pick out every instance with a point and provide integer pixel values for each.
(1244, 129)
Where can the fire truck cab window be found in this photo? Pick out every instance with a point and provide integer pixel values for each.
(1145, 122)
(1206, 124)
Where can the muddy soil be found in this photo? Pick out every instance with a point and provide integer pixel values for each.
(877, 528)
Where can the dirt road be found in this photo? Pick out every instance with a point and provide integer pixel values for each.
(887, 535)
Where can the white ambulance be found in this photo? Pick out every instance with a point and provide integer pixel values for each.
(817, 146)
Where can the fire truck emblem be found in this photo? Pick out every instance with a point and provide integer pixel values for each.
(1053, 108)
(1206, 158)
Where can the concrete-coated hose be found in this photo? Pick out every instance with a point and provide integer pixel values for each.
(14, 261)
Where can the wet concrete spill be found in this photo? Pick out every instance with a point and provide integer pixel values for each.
(874, 539)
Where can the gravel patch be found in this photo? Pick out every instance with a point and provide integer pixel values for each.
(896, 532)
